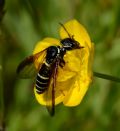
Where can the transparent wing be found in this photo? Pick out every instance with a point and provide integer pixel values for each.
(50, 94)
(27, 69)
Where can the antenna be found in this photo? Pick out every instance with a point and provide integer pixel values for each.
(65, 29)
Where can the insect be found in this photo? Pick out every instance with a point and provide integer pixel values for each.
(46, 74)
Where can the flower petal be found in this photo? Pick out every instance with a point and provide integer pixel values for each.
(75, 29)
(76, 92)
(41, 98)
(80, 61)
(83, 79)
(44, 44)
(61, 90)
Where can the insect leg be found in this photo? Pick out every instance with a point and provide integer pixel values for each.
(53, 88)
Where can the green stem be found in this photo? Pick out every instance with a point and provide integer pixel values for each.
(107, 77)
(2, 108)
(1, 97)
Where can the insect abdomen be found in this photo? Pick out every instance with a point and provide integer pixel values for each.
(42, 80)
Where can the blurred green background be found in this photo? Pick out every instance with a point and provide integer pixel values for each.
(25, 22)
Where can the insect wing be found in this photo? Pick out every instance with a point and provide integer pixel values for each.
(50, 99)
(27, 69)
(50, 95)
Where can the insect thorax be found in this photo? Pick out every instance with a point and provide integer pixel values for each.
(52, 54)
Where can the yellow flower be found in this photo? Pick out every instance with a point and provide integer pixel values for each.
(75, 77)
